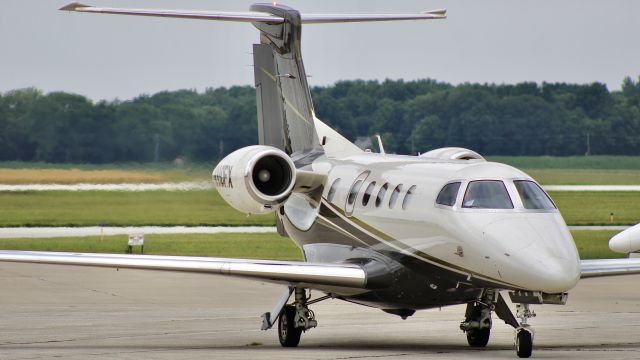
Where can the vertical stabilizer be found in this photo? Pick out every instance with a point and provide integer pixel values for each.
(285, 110)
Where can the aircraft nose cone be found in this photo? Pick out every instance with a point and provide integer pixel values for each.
(542, 251)
(554, 275)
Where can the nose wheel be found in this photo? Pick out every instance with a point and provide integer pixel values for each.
(524, 342)
(524, 333)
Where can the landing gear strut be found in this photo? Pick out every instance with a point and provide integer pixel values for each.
(524, 333)
(477, 323)
(295, 319)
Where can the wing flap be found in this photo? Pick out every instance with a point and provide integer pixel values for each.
(291, 272)
(609, 267)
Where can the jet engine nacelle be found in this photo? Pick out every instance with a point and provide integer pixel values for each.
(453, 153)
(255, 179)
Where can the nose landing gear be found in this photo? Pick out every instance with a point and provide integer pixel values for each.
(524, 333)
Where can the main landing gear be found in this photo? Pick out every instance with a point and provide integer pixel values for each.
(477, 323)
(293, 319)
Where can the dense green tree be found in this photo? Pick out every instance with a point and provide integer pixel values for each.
(412, 117)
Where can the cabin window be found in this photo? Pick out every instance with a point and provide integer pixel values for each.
(407, 198)
(533, 197)
(394, 196)
(448, 194)
(487, 194)
(381, 194)
(354, 192)
(367, 193)
(332, 189)
(350, 204)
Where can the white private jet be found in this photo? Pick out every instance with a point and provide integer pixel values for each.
(399, 233)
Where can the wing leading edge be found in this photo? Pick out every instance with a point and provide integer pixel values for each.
(609, 267)
(289, 272)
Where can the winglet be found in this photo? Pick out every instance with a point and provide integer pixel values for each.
(74, 6)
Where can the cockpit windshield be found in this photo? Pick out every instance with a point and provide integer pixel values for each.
(487, 194)
(533, 197)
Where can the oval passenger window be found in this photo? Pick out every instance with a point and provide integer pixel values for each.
(381, 193)
(394, 196)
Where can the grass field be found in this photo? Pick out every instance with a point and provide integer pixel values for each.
(591, 245)
(548, 170)
(254, 246)
(601, 162)
(594, 207)
(90, 208)
(584, 176)
(595, 244)
(40, 173)
(577, 170)
(202, 207)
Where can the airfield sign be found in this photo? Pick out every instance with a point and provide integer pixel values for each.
(136, 240)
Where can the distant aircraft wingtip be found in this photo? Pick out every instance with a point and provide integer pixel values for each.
(73, 6)
(439, 12)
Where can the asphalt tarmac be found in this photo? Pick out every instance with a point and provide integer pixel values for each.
(92, 313)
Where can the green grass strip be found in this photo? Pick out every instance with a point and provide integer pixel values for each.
(91, 208)
(595, 207)
(235, 245)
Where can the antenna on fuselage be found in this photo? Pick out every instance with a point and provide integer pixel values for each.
(380, 146)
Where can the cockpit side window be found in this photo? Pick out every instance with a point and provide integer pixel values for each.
(533, 197)
(448, 194)
(487, 194)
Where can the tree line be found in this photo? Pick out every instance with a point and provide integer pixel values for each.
(522, 119)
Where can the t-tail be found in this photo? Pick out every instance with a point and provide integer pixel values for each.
(285, 109)
(259, 178)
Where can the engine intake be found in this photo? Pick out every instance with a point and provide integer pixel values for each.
(453, 153)
(255, 179)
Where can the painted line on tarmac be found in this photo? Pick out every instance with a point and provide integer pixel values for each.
(592, 187)
(181, 186)
(50, 232)
(598, 227)
(207, 185)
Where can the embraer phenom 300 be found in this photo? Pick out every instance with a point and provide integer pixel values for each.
(399, 233)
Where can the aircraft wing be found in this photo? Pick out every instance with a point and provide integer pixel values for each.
(609, 267)
(287, 272)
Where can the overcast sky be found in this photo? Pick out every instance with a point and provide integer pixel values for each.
(109, 56)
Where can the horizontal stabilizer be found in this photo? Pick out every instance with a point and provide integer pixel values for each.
(253, 16)
(288, 272)
(184, 14)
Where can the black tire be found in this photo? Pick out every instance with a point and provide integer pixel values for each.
(478, 337)
(524, 344)
(288, 334)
